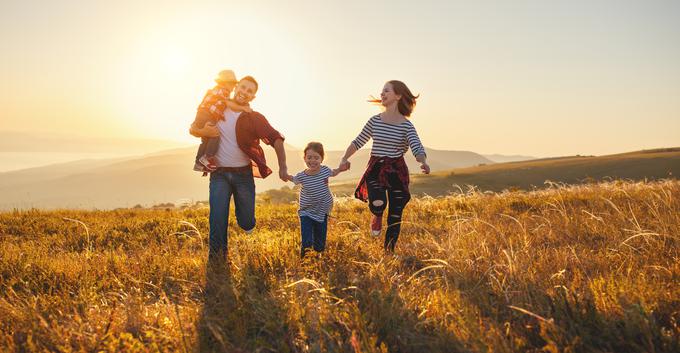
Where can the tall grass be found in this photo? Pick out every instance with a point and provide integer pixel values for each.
(567, 269)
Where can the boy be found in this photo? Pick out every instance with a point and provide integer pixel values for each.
(316, 200)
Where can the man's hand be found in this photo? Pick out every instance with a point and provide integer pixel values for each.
(281, 156)
(283, 173)
(208, 130)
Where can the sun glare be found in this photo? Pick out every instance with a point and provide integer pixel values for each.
(175, 61)
(164, 77)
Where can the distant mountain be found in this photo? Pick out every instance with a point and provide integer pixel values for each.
(165, 176)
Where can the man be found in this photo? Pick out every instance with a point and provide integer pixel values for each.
(239, 158)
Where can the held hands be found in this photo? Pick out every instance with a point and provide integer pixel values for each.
(344, 165)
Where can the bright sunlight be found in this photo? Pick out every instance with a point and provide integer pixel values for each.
(165, 76)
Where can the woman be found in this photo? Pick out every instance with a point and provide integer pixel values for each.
(385, 182)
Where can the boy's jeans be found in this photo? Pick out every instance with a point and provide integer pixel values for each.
(313, 234)
(209, 145)
(222, 186)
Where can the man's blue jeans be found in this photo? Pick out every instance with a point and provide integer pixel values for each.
(222, 186)
(313, 234)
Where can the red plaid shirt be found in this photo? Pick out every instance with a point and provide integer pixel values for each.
(215, 102)
(250, 129)
(387, 165)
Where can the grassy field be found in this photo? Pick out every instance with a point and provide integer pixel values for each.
(590, 268)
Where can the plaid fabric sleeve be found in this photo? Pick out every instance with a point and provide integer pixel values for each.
(264, 131)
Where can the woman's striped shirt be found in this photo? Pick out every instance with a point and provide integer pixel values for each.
(316, 200)
(389, 140)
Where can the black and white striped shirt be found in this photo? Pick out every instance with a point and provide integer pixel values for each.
(389, 140)
(316, 200)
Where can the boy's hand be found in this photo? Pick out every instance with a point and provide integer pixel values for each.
(239, 108)
(425, 168)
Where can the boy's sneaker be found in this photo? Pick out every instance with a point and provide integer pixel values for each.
(376, 225)
(208, 163)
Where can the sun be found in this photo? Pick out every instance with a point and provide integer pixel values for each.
(174, 61)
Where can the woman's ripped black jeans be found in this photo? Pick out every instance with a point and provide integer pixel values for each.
(394, 197)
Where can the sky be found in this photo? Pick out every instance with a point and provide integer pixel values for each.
(540, 78)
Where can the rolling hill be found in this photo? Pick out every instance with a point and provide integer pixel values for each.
(640, 165)
(162, 177)
(167, 176)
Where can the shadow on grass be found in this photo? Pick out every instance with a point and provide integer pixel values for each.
(385, 315)
(399, 327)
(240, 314)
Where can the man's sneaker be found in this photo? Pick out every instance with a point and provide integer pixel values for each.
(208, 163)
(376, 225)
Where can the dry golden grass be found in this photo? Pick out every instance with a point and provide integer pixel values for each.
(568, 269)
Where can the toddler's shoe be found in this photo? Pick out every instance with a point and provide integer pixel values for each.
(198, 167)
(208, 163)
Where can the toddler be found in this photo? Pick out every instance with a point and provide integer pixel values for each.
(211, 109)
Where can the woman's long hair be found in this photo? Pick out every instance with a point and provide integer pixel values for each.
(407, 101)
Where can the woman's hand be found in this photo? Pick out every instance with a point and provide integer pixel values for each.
(422, 159)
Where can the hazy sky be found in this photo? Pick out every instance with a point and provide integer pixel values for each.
(542, 78)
